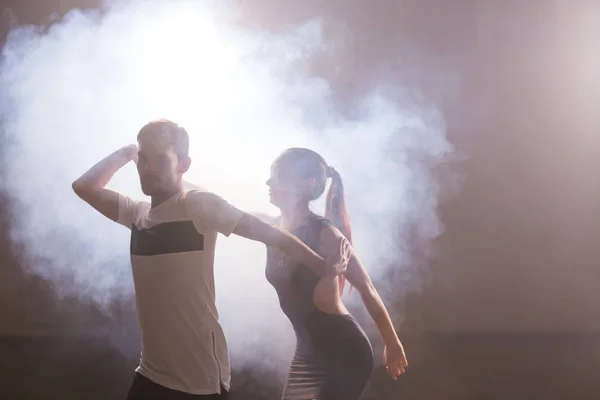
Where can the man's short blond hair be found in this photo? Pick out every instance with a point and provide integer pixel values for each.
(167, 133)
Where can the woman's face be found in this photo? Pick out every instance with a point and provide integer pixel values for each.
(286, 188)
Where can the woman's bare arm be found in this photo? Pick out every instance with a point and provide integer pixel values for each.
(394, 356)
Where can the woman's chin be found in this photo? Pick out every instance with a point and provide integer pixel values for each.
(273, 200)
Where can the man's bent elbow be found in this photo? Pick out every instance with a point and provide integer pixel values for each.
(83, 189)
(78, 187)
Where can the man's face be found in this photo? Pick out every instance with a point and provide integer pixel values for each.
(158, 166)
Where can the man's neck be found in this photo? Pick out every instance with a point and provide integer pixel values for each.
(159, 198)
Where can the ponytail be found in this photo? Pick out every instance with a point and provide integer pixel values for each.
(336, 211)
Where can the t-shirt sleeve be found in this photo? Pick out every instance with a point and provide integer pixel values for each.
(212, 211)
(129, 210)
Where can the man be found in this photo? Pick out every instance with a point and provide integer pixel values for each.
(184, 352)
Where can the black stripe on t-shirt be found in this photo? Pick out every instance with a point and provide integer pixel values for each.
(166, 238)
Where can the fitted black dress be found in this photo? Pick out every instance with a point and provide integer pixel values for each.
(333, 358)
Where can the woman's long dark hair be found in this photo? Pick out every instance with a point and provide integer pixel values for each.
(336, 211)
(335, 206)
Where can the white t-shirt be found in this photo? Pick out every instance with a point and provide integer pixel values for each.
(172, 257)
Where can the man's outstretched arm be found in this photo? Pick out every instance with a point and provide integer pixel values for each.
(217, 213)
(90, 186)
(253, 228)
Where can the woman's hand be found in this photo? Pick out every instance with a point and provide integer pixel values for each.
(395, 359)
(338, 262)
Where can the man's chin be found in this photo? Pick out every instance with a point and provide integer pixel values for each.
(147, 190)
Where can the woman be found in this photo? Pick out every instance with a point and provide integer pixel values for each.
(333, 358)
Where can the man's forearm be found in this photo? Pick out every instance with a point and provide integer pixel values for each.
(100, 174)
(253, 228)
(293, 247)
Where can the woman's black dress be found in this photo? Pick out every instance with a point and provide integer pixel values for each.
(333, 358)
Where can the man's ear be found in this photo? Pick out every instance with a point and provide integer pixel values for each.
(184, 165)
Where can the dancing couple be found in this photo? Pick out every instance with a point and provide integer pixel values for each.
(309, 259)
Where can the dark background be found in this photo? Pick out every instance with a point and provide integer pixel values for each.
(511, 309)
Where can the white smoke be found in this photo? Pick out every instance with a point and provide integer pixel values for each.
(79, 90)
